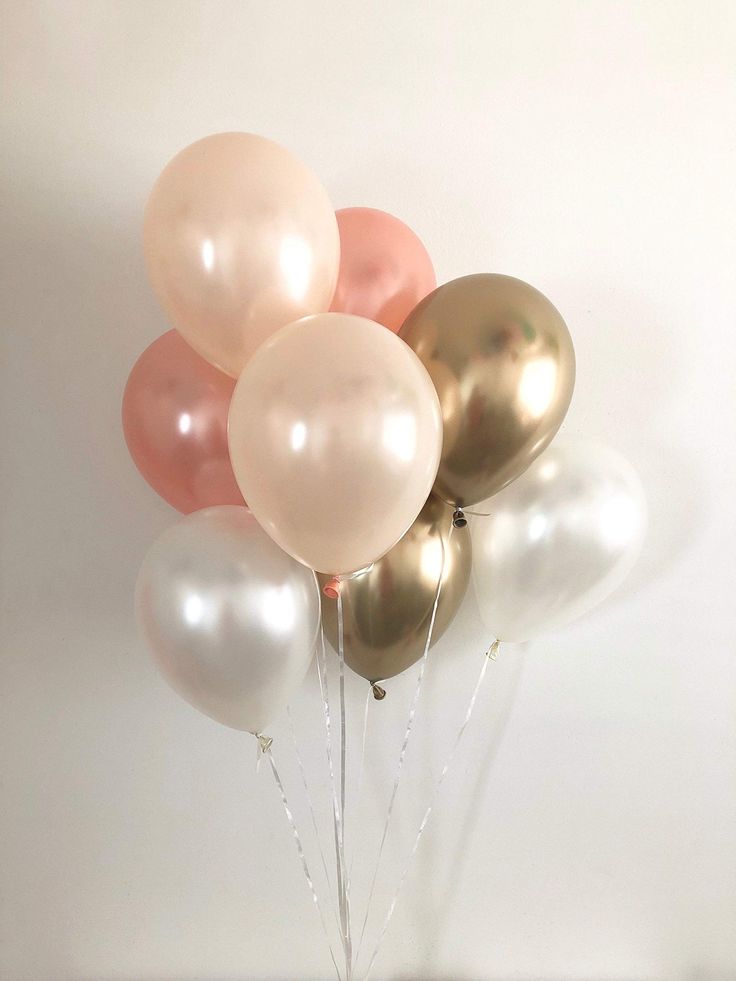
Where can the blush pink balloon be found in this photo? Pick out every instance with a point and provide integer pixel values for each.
(384, 268)
(175, 410)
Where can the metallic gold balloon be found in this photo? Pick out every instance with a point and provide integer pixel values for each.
(503, 363)
(387, 610)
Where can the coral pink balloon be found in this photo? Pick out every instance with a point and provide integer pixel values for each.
(240, 239)
(175, 410)
(384, 268)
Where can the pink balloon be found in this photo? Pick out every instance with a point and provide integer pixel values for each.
(384, 268)
(175, 410)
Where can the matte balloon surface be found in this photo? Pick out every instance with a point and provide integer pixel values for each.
(240, 238)
(335, 435)
(384, 268)
(503, 362)
(231, 620)
(559, 540)
(387, 610)
(175, 409)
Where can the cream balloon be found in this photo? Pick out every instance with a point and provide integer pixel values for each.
(239, 238)
(335, 435)
(231, 620)
(559, 539)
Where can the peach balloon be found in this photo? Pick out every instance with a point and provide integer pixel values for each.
(240, 239)
(175, 409)
(335, 435)
(384, 268)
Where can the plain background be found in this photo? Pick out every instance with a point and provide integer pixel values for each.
(589, 829)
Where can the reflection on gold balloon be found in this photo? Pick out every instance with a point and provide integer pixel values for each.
(503, 363)
(448, 391)
(387, 610)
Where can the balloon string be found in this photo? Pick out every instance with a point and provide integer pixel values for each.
(405, 743)
(268, 751)
(491, 655)
(359, 793)
(305, 784)
(345, 907)
(336, 822)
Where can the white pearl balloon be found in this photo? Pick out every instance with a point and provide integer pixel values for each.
(558, 540)
(231, 619)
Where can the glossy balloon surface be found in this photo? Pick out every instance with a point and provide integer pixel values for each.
(558, 541)
(384, 268)
(504, 365)
(231, 620)
(387, 610)
(335, 435)
(239, 238)
(175, 410)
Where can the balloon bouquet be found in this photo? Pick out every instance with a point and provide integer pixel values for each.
(317, 374)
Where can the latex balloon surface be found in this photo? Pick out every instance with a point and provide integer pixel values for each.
(384, 268)
(335, 435)
(175, 409)
(387, 610)
(505, 368)
(559, 540)
(231, 620)
(239, 238)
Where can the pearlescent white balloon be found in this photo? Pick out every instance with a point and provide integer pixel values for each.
(231, 619)
(559, 539)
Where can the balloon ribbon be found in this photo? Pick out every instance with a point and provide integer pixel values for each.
(407, 734)
(491, 654)
(266, 749)
(336, 817)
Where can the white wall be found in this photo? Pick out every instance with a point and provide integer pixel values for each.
(589, 832)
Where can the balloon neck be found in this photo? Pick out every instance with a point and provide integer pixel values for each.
(378, 693)
(264, 742)
(458, 518)
(331, 588)
(492, 651)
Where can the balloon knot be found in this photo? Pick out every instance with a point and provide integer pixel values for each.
(331, 588)
(264, 742)
(458, 518)
(493, 650)
(378, 693)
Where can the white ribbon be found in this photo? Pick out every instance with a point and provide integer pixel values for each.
(336, 816)
(305, 784)
(345, 878)
(405, 743)
(491, 655)
(266, 749)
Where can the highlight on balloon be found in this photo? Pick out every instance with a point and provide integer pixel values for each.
(350, 445)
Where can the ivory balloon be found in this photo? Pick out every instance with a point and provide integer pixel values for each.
(240, 238)
(384, 268)
(335, 435)
(231, 620)
(506, 365)
(387, 610)
(175, 409)
(558, 541)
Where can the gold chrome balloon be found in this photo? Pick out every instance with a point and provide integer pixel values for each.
(503, 364)
(387, 610)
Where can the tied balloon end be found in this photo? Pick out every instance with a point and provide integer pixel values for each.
(331, 588)
(458, 518)
(493, 650)
(378, 693)
(263, 746)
